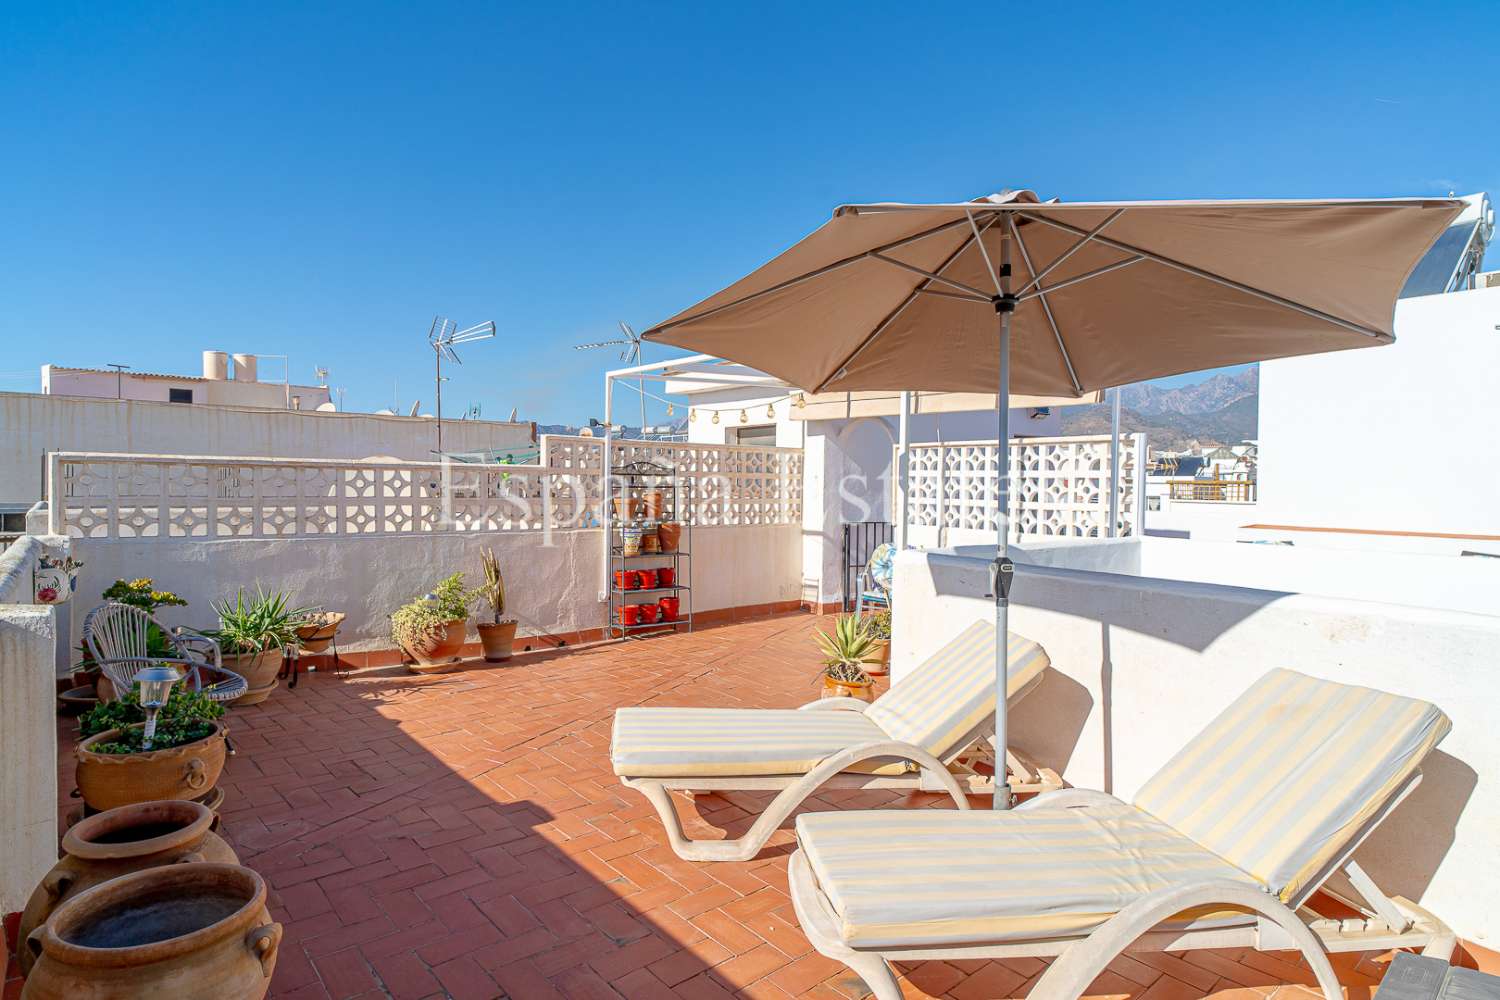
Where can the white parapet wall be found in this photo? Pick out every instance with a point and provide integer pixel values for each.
(1139, 665)
(28, 740)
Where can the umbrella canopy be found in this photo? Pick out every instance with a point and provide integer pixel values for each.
(894, 296)
(1060, 299)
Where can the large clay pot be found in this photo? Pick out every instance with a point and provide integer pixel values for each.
(844, 689)
(120, 841)
(259, 671)
(188, 932)
(669, 533)
(498, 639)
(109, 780)
(444, 656)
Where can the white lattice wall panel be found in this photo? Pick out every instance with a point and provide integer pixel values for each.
(169, 496)
(1058, 486)
(732, 484)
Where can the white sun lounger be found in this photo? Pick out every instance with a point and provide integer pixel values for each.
(1221, 849)
(928, 723)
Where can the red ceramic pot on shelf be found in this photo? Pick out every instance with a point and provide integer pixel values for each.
(647, 578)
(647, 613)
(630, 614)
(668, 608)
(666, 576)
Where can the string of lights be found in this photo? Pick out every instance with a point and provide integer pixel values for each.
(744, 411)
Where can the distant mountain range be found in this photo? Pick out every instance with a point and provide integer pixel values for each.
(1222, 409)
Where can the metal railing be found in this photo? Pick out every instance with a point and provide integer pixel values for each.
(1212, 490)
(860, 541)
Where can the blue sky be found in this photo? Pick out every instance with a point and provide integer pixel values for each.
(319, 179)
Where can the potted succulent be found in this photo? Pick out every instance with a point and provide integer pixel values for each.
(845, 652)
(431, 629)
(879, 627)
(184, 762)
(496, 636)
(252, 634)
(317, 631)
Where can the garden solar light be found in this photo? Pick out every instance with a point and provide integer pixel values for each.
(156, 686)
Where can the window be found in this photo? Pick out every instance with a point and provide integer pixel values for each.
(762, 435)
(179, 395)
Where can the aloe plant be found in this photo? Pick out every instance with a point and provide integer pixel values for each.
(850, 644)
(267, 621)
(493, 588)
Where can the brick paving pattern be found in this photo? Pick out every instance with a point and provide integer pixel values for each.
(463, 836)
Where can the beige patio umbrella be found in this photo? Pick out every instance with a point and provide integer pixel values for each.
(1060, 299)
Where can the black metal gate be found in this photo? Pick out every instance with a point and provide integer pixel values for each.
(860, 541)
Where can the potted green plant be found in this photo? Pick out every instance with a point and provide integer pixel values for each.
(184, 762)
(498, 636)
(252, 633)
(845, 652)
(879, 627)
(431, 629)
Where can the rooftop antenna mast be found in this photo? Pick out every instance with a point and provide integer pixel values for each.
(631, 355)
(443, 337)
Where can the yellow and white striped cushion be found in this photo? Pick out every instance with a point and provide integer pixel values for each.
(927, 877)
(953, 692)
(1281, 780)
(724, 742)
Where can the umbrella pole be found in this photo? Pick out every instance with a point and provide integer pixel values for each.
(1001, 570)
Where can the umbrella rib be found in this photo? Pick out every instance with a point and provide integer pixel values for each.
(1207, 275)
(1046, 306)
(931, 276)
(989, 265)
(965, 296)
(815, 273)
(1037, 276)
(1085, 276)
(910, 298)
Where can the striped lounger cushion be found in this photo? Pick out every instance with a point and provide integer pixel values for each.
(1267, 794)
(945, 699)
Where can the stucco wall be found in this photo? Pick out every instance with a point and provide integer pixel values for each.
(216, 392)
(1389, 438)
(1140, 665)
(28, 742)
(552, 581)
(32, 424)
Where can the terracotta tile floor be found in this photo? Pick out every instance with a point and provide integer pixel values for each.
(462, 836)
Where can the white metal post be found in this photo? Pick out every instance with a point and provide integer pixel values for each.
(1002, 572)
(903, 470)
(1114, 462)
(604, 487)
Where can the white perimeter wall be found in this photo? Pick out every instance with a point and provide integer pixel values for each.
(31, 424)
(551, 585)
(1139, 666)
(1389, 438)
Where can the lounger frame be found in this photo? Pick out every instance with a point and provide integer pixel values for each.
(1387, 922)
(954, 774)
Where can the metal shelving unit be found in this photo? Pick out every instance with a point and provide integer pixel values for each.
(633, 482)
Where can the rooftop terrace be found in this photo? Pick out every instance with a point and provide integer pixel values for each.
(463, 836)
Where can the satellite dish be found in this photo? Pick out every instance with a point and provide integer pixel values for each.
(413, 411)
(327, 408)
(385, 413)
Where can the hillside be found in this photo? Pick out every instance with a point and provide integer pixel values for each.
(1223, 409)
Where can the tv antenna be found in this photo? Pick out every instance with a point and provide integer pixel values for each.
(322, 375)
(443, 337)
(631, 355)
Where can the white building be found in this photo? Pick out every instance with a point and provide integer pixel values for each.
(215, 387)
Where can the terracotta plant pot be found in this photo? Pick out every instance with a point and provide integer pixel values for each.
(317, 635)
(627, 579)
(666, 576)
(110, 780)
(650, 542)
(669, 534)
(444, 655)
(653, 501)
(497, 639)
(213, 799)
(259, 670)
(630, 614)
(77, 700)
(189, 932)
(647, 613)
(648, 578)
(842, 689)
(668, 608)
(627, 508)
(881, 649)
(120, 841)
